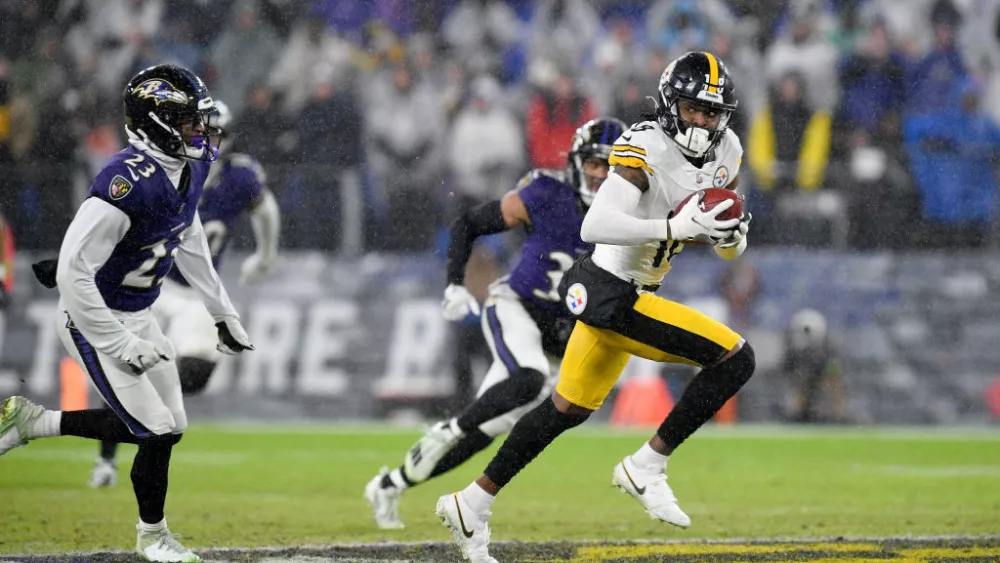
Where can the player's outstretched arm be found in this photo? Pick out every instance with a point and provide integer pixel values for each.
(89, 241)
(195, 262)
(265, 217)
(611, 218)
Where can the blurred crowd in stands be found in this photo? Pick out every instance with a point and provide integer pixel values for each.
(866, 123)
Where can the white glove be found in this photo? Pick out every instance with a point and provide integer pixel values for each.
(256, 267)
(458, 303)
(739, 233)
(693, 224)
(143, 355)
(232, 338)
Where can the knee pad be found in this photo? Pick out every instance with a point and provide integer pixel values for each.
(194, 374)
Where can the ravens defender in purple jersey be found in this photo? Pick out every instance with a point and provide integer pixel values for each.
(140, 219)
(235, 184)
(524, 321)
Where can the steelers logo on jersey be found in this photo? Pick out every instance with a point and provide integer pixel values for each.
(721, 178)
(576, 298)
(119, 188)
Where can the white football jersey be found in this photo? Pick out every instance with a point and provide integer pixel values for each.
(671, 179)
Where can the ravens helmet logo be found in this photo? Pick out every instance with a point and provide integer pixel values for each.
(160, 91)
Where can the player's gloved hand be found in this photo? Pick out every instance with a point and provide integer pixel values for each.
(739, 233)
(257, 267)
(691, 223)
(232, 338)
(458, 303)
(143, 355)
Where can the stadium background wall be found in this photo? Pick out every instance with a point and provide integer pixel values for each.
(361, 339)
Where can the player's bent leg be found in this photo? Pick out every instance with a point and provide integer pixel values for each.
(705, 395)
(662, 330)
(517, 377)
(518, 389)
(471, 443)
(497, 401)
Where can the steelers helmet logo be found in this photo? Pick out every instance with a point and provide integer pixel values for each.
(576, 298)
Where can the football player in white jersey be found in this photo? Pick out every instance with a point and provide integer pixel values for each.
(685, 147)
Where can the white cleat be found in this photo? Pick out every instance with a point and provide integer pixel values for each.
(385, 502)
(428, 451)
(16, 417)
(104, 474)
(162, 546)
(651, 490)
(471, 531)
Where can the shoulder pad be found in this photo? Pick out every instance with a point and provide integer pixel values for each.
(636, 145)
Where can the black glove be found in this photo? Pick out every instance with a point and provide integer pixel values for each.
(45, 272)
(232, 338)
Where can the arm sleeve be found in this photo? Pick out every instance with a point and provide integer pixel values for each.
(486, 219)
(90, 239)
(266, 221)
(194, 260)
(610, 219)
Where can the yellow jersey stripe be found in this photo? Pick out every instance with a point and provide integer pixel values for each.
(626, 148)
(630, 162)
(713, 72)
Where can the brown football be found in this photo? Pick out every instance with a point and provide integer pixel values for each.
(710, 197)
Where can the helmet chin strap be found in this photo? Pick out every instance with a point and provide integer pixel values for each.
(694, 141)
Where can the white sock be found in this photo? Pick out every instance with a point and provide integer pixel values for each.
(396, 476)
(478, 500)
(648, 458)
(144, 527)
(46, 425)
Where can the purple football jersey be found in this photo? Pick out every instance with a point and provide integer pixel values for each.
(235, 181)
(553, 241)
(158, 213)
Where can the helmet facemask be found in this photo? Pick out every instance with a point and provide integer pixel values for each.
(694, 140)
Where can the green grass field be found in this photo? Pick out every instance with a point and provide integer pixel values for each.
(274, 485)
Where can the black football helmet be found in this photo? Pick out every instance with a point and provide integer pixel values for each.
(159, 99)
(702, 79)
(592, 139)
